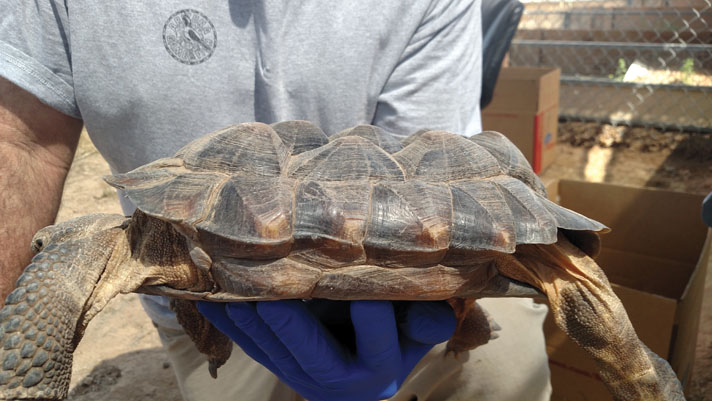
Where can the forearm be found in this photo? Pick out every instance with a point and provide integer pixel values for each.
(29, 202)
(36, 148)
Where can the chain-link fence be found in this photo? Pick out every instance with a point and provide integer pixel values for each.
(635, 62)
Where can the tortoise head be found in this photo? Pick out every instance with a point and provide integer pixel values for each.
(79, 227)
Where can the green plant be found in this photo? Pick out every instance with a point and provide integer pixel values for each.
(687, 69)
(620, 71)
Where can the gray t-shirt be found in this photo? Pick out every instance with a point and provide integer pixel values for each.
(148, 77)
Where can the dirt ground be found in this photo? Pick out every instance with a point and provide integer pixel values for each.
(121, 358)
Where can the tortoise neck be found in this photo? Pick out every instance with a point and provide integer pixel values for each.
(162, 255)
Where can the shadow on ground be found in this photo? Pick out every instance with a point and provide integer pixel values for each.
(150, 379)
(690, 160)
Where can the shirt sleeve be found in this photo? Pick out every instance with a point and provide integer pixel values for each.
(35, 51)
(437, 82)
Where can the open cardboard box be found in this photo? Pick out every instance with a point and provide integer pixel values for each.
(656, 258)
(525, 107)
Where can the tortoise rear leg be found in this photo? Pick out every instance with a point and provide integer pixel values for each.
(475, 326)
(585, 307)
(207, 338)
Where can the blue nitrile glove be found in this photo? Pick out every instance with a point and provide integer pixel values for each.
(322, 360)
(707, 209)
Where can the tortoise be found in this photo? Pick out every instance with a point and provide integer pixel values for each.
(265, 212)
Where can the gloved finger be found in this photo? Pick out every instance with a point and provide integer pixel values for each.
(376, 335)
(317, 353)
(217, 314)
(428, 322)
(329, 311)
(279, 360)
(412, 352)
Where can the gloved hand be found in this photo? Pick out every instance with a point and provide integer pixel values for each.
(369, 362)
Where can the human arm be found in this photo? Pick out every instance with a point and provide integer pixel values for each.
(37, 144)
(325, 350)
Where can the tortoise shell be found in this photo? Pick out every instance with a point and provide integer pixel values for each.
(286, 195)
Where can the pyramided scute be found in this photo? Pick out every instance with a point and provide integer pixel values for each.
(510, 158)
(377, 135)
(249, 217)
(409, 223)
(251, 191)
(532, 221)
(414, 136)
(300, 136)
(330, 221)
(442, 156)
(168, 191)
(178, 198)
(481, 220)
(346, 159)
(251, 149)
(153, 174)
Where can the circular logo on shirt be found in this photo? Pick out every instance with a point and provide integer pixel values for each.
(189, 36)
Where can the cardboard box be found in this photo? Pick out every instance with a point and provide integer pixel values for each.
(656, 258)
(525, 108)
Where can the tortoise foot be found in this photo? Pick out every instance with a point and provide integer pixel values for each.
(475, 326)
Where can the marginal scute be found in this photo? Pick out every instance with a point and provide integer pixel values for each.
(350, 158)
(441, 156)
(571, 220)
(272, 279)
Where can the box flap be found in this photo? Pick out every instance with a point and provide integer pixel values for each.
(657, 223)
(688, 316)
(525, 89)
(659, 276)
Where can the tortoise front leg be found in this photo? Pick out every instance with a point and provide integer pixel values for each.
(585, 307)
(45, 316)
(82, 264)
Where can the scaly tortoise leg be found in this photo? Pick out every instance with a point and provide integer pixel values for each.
(585, 307)
(45, 316)
(82, 265)
(206, 337)
(475, 326)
